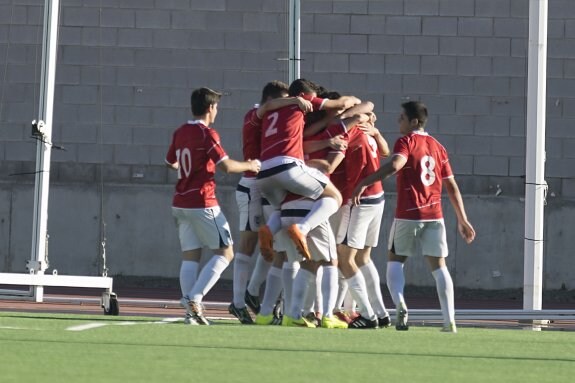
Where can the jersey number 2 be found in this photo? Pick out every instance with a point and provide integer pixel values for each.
(272, 128)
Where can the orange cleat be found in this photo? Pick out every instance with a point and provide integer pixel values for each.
(299, 240)
(266, 239)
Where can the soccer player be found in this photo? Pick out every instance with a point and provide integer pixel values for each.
(422, 167)
(283, 169)
(195, 152)
(274, 96)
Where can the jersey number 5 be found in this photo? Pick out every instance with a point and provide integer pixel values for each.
(427, 174)
(185, 162)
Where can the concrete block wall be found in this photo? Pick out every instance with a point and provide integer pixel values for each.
(126, 69)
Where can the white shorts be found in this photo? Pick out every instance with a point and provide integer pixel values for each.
(359, 225)
(296, 177)
(249, 203)
(200, 228)
(406, 236)
(281, 237)
(320, 240)
(335, 220)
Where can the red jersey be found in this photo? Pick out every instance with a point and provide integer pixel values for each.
(282, 131)
(362, 159)
(197, 150)
(420, 181)
(334, 129)
(251, 137)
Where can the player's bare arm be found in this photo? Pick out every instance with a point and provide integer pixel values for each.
(382, 145)
(386, 170)
(336, 143)
(278, 103)
(174, 166)
(232, 166)
(463, 225)
(342, 103)
(363, 107)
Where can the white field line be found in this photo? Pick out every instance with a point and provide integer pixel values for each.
(93, 325)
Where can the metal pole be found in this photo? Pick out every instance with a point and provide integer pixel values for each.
(536, 187)
(294, 40)
(43, 148)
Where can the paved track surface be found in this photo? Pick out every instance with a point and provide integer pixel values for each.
(162, 302)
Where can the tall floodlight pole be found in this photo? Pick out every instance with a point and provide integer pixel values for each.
(535, 185)
(43, 130)
(294, 40)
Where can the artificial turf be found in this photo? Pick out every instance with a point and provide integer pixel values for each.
(42, 348)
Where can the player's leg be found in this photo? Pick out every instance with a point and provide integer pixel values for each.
(434, 246)
(248, 200)
(272, 291)
(402, 242)
(373, 283)
(213, 227)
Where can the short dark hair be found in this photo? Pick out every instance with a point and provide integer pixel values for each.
(274, 89)
(301, 85)
(201, 100)
(416, 109)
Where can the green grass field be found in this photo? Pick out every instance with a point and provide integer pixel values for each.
(42, 348)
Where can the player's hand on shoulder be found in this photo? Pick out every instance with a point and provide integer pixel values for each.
(338, 143)
(304, 105)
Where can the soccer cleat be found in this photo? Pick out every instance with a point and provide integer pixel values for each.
(242, 314)
(332, 322)
(312, 318)
(384, 322)
(265, 320)
(451, 327)
(299, 240)
(266, 240)
(401, 321)
(363, 323)
(345, 316)
(253, 302)
(198, 313)
(299, 322)
(189, 320)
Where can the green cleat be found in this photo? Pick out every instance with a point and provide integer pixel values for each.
(265, 320)
(293, 322)
(332, 322)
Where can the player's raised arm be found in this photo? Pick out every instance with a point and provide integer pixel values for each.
(278, 103)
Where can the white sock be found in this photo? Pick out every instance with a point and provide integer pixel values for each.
(358, 290)
(372, 281)
(289, 271)
(349, 304)
(310, 296)
(188, 276)
(318, 303)
(242, 270)
(275, 222)
(396, 282)
(208, 277)
(272, 291)
(329, 289)
(444, 285)
(321, 210)
(259, 275)
(341, 291)
(302, 281)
